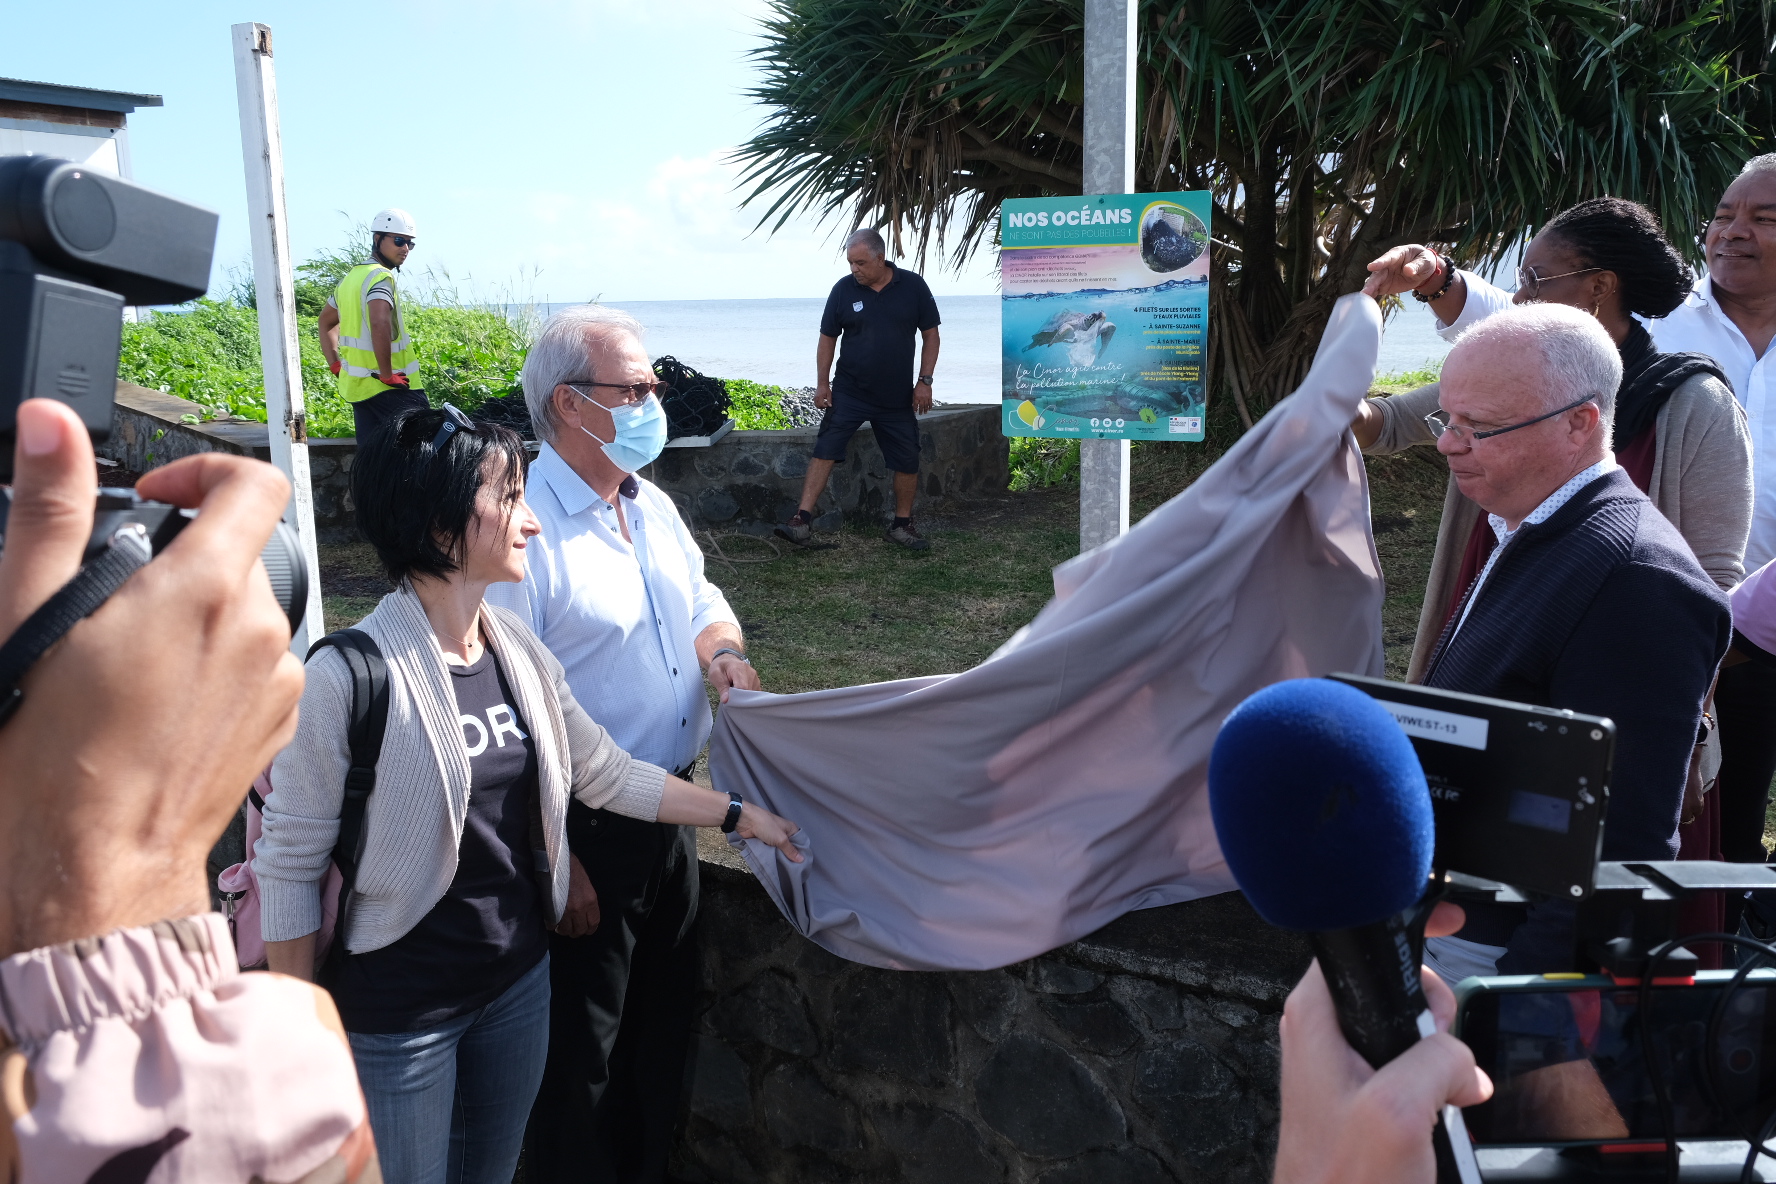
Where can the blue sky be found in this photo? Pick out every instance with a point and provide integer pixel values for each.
(548, 149)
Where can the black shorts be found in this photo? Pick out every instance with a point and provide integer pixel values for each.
(896, 428)
(373, 414)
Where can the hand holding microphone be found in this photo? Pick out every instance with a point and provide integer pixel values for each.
(1345, 1122)
(1324, 817)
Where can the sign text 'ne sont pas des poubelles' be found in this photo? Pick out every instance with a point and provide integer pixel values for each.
(1106, 315)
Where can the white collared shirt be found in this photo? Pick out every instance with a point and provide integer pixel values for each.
(622, 618)
(1539, 515)
(1696, 326)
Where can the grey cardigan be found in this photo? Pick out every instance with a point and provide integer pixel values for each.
(1701, 483)
(415, 818)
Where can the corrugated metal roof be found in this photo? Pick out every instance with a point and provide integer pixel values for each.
(21, 91)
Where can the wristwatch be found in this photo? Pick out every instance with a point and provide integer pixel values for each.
(924, 380)
(733, 818)
(728, 649)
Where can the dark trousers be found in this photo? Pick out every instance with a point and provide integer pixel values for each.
(1745, 704)
(620, 1018)
(373, 414)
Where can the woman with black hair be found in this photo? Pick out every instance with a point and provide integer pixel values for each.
(1679, 433)
(444, 991)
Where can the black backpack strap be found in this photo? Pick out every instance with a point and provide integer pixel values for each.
(369, 719)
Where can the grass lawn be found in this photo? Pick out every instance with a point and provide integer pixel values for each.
(867, 611)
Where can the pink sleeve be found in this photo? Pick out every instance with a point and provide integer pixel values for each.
(1754, 608)
(147, 1055)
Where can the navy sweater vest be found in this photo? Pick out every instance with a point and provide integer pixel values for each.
(1601, 609)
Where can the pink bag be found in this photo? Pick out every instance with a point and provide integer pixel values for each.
(239, 888)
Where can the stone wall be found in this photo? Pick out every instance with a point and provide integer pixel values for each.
(1143, 1054)
(753, 480)
(150, 428)
(747, 480)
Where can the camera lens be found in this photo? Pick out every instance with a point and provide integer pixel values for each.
(289, 575)
(83, 213)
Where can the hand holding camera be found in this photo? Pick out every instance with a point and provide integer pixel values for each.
(161, 704)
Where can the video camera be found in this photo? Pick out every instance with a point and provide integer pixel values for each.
(76, 247)
(1587, 1088)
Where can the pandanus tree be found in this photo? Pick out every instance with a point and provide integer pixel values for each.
(1327, 130)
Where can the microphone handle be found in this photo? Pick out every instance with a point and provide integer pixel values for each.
(1373, 974)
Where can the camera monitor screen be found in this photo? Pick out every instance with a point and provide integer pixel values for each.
(1568, 1067)
(1519, 791)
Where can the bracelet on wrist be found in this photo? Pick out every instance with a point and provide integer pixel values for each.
(728, 649)
(1448, 266)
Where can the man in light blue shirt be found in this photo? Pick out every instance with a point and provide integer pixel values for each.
(615, 588)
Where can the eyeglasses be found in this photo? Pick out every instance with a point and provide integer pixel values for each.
(1531, 282)
(454, 422)
(1438, 422)
(637, 390)
(401, 240)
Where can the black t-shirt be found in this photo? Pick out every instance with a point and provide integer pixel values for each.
(488, 930)
(876, 332)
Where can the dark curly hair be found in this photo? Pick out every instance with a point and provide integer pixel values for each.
(414, 505)
(1624, 237)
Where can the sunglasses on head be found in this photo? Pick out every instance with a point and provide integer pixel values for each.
(454, 422)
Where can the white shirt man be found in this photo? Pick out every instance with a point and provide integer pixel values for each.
(632, 607)
(615, 588)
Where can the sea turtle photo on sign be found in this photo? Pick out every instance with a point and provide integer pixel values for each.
(1105, 315)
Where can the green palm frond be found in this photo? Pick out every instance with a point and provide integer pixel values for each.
(1327, 130)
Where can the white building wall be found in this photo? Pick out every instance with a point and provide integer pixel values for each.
(102, 148)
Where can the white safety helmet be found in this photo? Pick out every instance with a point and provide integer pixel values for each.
(394, 221)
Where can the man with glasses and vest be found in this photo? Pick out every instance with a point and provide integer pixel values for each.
(614, 587)
(363, 334)
(1591, 601)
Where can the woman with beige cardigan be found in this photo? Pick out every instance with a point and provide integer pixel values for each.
(444, 989)
(1679, 432)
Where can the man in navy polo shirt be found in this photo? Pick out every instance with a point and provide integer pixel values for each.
(877, 309)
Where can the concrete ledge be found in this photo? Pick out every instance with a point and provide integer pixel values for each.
(1145, 1053)
(745, 480)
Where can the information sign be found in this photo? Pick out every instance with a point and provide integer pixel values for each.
(1106, 310)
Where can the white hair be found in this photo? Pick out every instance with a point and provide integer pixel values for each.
(1759, 164)
(1579, 359)
(561, 353)
(863, 236)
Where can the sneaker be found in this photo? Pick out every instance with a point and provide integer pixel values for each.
(909, 537)
(796, 530)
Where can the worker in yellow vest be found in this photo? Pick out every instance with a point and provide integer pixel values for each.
(362, 332)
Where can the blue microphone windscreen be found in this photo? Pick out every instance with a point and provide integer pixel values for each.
(1321, 806)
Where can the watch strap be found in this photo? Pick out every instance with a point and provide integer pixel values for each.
(733, 818)
(728, 649)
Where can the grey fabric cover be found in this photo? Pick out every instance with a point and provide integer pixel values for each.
(972, 820)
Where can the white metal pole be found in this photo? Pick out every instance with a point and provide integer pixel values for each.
(1109, 168)
(286, 415)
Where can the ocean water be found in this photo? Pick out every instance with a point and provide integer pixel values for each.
(773, 341)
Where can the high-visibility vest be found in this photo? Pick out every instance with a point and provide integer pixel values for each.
(357, 355)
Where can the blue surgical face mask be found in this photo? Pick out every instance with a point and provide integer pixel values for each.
(641, 434)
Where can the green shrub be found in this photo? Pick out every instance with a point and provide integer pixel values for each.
(1410, 380)
(209, 352)
(756, 406)
(1038, 463)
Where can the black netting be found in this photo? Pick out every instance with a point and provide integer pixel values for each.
(507, 411)
(696, 404)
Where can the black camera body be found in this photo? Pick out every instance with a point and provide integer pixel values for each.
(76, 247)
